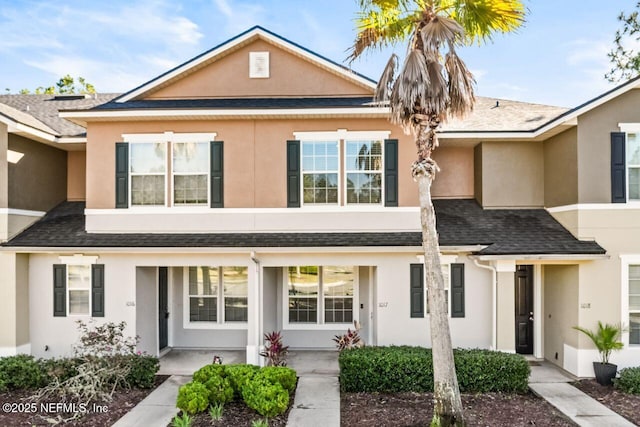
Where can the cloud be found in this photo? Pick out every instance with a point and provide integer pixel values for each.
(240, 16)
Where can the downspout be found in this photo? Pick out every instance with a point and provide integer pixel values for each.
(260, 331)
(494, 306)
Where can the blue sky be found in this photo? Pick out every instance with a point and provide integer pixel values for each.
(559, 57)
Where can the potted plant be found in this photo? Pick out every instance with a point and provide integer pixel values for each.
(606, 339)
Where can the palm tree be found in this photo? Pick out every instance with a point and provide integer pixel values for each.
(432, 85)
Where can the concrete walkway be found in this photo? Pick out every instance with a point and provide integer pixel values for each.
(551, 384)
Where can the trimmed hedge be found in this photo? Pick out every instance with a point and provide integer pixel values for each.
(21, 372)
(629, 381)
(410, 369)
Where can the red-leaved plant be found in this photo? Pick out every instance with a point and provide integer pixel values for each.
(349, 340)
(275, 351)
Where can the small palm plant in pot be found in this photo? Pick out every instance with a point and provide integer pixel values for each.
(606, 339)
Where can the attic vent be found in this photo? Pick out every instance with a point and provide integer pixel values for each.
(71, 96)
(258, 65)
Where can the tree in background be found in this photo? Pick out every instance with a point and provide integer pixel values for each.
(65, 86)
(432, 85)
(624, 59)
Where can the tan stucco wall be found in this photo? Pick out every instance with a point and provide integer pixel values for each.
(76, 175)
(561, 169)
(512, 174)
(255, 156)
(290, 75)
(4, 174)
(560, 293)
(477, 173)
(14, 303)
(39, 180)
(506, 309)
(594, 148)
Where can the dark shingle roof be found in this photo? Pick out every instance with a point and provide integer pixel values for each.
(45, 109)
(460, 223)
(238, 103)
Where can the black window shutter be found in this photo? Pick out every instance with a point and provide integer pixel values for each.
(618, 168)
(391, 172)
(457, 290)
(217, 174)
(97, 290)
(59, 290)
(293, 174)
(417, 290)
(122, 175)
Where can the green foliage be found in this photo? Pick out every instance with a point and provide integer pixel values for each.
(606, 339)
(629, 381)
(275, 351)
(624, 59)
(282, 375)
(265, 397)
(215, 411)
(410, 369)
(107, 339)
(21, 372)
(203, 374)
(183, 420)
(142, 370)
(260, 423)
(220, 390)
(193, 398)
(239, 376)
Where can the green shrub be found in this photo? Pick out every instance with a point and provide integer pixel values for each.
(284, 376)
(239, 376)
(193, 398)
(203, 374)
(629, 381)
(410, 369)
(220, 390)
(21, 372)
(265, 397)
(143, 368)
(61, 369)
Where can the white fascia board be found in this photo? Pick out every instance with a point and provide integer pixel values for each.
(633, 205)
(72, 140)
(131, 114)
(239, 40)
(541, 257)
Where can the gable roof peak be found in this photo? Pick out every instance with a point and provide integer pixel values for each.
(236, 43)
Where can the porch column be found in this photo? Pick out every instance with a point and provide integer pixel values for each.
(254, 334)
(4, 183)
(14, 304)
(505, 306)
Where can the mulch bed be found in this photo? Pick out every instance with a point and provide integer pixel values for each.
(18, 413)
(238, 414)
(415, 409)
(627, 405)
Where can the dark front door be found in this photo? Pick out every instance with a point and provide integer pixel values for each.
(163, 308)
(524, 309)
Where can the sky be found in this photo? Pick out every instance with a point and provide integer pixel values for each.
(559, 57)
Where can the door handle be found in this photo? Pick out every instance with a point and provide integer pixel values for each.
(531, 316)
(166, 314)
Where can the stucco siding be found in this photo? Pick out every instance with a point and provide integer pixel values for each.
(76, 175)
(560, 290)
(4, 167)
(561, 169)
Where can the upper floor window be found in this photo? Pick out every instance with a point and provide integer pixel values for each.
(633, 165)
(147, 168)
(190, 173)
(342, 167)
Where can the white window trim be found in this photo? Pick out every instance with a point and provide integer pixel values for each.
(207, 173)
(347, 170)
(221, 323)
(444, 260)
(320, 325)
(628, 128)
(337, 172)
(626, 261)
(167, 147)
(78, 260)
(69, 290)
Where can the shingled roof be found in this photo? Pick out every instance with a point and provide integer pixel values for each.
(460, 223)
(41, 111)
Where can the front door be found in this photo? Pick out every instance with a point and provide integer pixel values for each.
(163, 308)
(524, 309)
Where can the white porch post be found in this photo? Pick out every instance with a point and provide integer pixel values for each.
(505, 305)
(254, 315)
(14, 304)
(537, 311)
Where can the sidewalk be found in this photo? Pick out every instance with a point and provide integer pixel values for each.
(551, 384)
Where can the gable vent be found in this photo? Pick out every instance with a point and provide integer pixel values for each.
(259, 65)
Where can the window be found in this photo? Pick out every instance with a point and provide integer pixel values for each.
(148, 169)
(364, 171)
(217, 294)
(320, 172)
(634, 304)
(447, 285)
(454, 287)
(79, 289)
(190, 173)
(322, 295)
(633, 165)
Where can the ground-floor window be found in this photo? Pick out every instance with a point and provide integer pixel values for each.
(634, 304)
(321, 294)
(217, 294)
(79, 289)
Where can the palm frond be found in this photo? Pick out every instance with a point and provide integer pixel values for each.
(385, 84)
(410, 88)
(461, 82)
(437, 94)
(440, 31)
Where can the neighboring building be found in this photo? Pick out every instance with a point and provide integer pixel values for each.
(256, 188)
